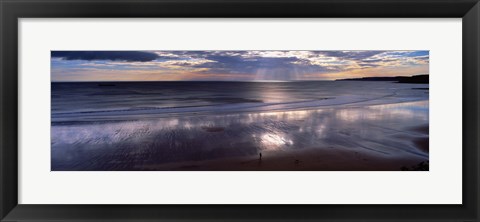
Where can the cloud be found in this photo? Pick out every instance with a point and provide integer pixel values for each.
(244, 65)
(128, 56)
(351, 55)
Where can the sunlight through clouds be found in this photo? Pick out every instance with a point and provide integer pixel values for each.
(234, 65)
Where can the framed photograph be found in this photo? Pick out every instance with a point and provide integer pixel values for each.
(225, 110)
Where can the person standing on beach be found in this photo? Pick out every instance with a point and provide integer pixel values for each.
(260, 156)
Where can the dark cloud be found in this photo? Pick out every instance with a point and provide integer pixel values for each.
(238, 64)
(422, 58)
(129, 56)
(368, 65)
(353, 55)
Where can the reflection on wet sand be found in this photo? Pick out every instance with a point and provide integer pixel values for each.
(375, 137)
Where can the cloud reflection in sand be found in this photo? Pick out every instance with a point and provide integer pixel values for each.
(128, 145)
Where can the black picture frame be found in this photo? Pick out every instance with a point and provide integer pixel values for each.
(12, 10)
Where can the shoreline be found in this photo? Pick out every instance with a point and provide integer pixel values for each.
(226, 113)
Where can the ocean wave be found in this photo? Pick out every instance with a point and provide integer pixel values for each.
(227, 108)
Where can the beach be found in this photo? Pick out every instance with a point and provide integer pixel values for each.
(224, 126)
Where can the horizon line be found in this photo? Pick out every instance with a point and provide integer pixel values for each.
(240, 80)
(198, 81)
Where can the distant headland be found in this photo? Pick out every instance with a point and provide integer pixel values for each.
(423, 78)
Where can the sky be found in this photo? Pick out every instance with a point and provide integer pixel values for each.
(233, 65)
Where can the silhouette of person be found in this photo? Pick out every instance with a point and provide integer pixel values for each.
(260, 156)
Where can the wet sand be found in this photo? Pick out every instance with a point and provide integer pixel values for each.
(311, 159)
(362, 138)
